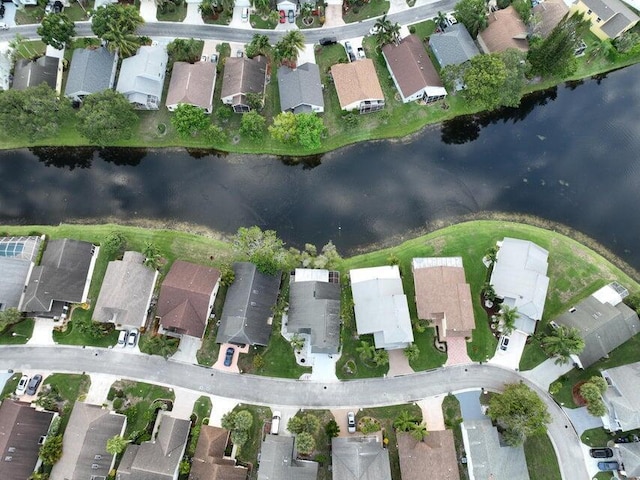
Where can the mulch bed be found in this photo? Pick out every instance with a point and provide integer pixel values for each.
(577, 398)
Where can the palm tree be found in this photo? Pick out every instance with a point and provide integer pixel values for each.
(381, 358)
(412, 352)
(382, 24)
(263, 7)
(208, 7)
(404, 421)
(305, 10)
(297, 342)
(366, 350)
(563, 342)
(116, 445)
(152, 255)
(477, 24)
(287, 48)
(418, 431)
(508, 316)
(394, 33)
(441, 20)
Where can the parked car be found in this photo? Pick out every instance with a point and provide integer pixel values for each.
(283, 16)
(239, 54)
(245, 14)
(601, 452)
(351, 422)
(504, 343)
(65, 312)
(133, 337)
(608, 466)
(22, 385)
(275, 422)
(292, 16)
(349, 50)
(361, 54)
(2, 10)
(328, 41)
(451, 20)
(374, 30)
(4, 26)
(228, 356)
(122, 338)
(204, 58)
(214, 58)
(34, 383)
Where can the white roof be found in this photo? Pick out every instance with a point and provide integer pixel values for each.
(429, 262)
(608, 294)
(311, 275)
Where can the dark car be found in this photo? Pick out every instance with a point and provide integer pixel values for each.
(608, 466)
(292, 16)
(283, 16)
(1, 10)
(601, 452)
(228, 356)
(328, 41)
(34, 383)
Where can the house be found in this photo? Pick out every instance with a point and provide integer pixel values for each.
(23, 430)
(413, 73)
(621, 398)
(23, 3)
(248, 307)
(287, 5)
(29, 73)
(186, 298)
(609, 18)
(158, 459)
(487, 458)
(357, 86)
(519, 278)
(443, 296)
(278, 461)
(314, 308)
(505, 30)
(126, 292)
(453, 46)
(64, 275)
(141, 77)
(192, 84)
(5, 71)
(209, 462)
(359, 458)
(381, 306)
(546, 16)
(604, 322)
(629, 454)
(435, 454)
(92, 70)
(84, 445)
(300, 89)
(243, 76)
(17, 257)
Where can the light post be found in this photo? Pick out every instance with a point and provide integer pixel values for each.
(16, 334)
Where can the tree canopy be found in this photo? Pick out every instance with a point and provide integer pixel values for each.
(184, 50)
(189, 120)
(51, 451)
(116, 445)
(56, 30)
(305, 129)
(473, 15)
(592, 392)
(252, 125)
(305, 443)
(259, 45)
(263, 248)
(9, 317)
(106, 117)
(117, 24)
(563, 342)
(288, 47)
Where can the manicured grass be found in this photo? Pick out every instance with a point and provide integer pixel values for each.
(22, 330)
(208, 353)
(541, 458)
(70, 387)
(596, 437)
(10, 385)
(177, 15)
(372, 9)
(202, 408)
(29, 15)
(248, 453)
(76, 13)
(258, 22)
(425, 29)
(453, 419)
(31, 49)
(603, 476)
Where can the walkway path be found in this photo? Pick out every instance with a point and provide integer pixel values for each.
(457, 351)
(547, 372)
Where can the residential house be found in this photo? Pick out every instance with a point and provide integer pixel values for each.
(210, 462)
(621, 398)
(519, 278)
(126, 291)
(192, 84)
(413, 73)
(381, 306)
(314, 308)
(84, 445)
(278, 461)
(243, 76)
(64, 275)
(357, 86)
(28, 73)
(23, 3)
(604, 323)
(22, 432)
(436, 454)
(487, 458)
(609, 18)
(17, 257)
(92, 70)
(505, 30)
(629, 454)
(300, 89)
(545, 16)
(453, 46)
(141, 77)
(444, 296)
(287, 5)
(158, 459)
(186, 299)
(359, 458)
(5, 71)
(248, 307)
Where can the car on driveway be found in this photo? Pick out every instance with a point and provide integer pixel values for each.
(601, 452)
(22, 385)
(292, 16)
(132, 341)
(361, 54)
(4, 26)
(245, 14)
(608, 466)
(351, 422)
(228, 356)
(122, 338)
(349, 49)
(504, 343)
(283, 16)
(275, 422)
(34, 383)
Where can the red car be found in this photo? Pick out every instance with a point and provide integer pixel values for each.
(283, 16)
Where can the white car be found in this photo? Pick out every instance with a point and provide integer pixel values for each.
(351, 422)
(245, 14)
(132, 341)
(275, 422)
(122, 338)
(4, 26)
(22, 385)
(451, 19)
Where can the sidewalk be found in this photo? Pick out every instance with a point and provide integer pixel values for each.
(546, 373)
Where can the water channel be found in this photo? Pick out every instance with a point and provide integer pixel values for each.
(570, 155)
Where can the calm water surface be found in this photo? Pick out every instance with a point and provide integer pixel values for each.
(569, 155)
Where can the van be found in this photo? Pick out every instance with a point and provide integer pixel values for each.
(122, 338)
(275, 422)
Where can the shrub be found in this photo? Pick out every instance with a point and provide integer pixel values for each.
(117, 403)
(412, 29)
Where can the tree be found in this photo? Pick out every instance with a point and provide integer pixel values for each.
(305, 444)
(263, 7)
(419, 431)
(183, 50)
(297, 342)
(51, 451)
(106, 117)
(215, 134)
(239, 437)
(386, 31)
(309, 130)
(592, 392)
(441, 20)
(243, 420)
(288, 47)
(162, 345)
(117, 444)
(125, 18)
(151, 255)
(306, 423)
(227, 275)
(520, 412)
(515, 62)
(57, 30)
(563, 342)
(228, 420)
(332, 429)
(404, 421)
(284, 128)
(484, 80)
(113, 243)
(366, 350)
(263, 248)
(9, 317)
(189, 120)
(523, 8)
(626, 42)
(252, 125)
(259, 45)
(508, 317)
(380, 358)
(412, 352)
(208, 7)
(472, 14)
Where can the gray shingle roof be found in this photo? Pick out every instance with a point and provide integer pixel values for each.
(30, 74)
(359, 458)
(13, 277)
(453, 46)
(278, 462)
(247, 313)
(300, 87)
(142, 75)
(92, 71)
(630, 456)
(622, 398)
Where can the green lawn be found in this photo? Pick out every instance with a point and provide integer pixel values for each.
(18, 334)
(596, 437)
(322, 452)
(374, 8)
(258, 22)
(208, 353)
(177, 15)
(202, 408)
(248, 453)
(541, 458)
(70, 387)
(10, 385)
(424, 29)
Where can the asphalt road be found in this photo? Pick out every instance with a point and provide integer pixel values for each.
(273, 391)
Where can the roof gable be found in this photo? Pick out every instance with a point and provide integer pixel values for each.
(548, 15)
(453, 46)
(356, 81)
(29, 73)
(244, 75)
(436, 455)
(92, 70)
(300, 87)
(622, 394)
(277, 461)
(144, 72)
(192, 84)
(359, 458)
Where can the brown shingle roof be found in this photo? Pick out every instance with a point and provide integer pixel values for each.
(184, 299)
(411, 66)
(506, 30)
(436, 454)
(243, 75)
(548, 14)
(208, 462)
(192, 84)
(356, 81)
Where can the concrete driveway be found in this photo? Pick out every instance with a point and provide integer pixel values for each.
(148, 10)
(333, 16)
(510, 358)
(43, 332)
(193, 14)
(187, 350)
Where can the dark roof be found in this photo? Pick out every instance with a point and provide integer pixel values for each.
(278, 462)
(21, 428)
(630, 456)
(359, 458)
(243, 75)
(29, 73)
(435, 454)
(314, 307)
(185, 298)
(247, 313)
(61, 275)
(209, 463)
(548, 15)
(453, 46)
(300, 87)
(13, 276)
(92, 70)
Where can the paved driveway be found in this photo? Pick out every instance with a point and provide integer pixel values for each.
(511, 357)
